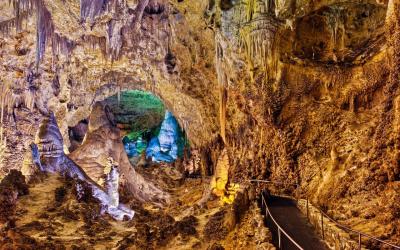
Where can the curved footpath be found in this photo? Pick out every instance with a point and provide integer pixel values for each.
(289, 217)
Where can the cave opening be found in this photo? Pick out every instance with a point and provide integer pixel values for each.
(150, 133)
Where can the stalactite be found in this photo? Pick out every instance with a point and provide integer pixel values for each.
(16, 22)
(22, 9)
(269, 5)
(223, 70)
(44, 30)
(250, 8)
(3, 139)
(119, 95)
(92, 8)
(7, 25)
(61, 45)
(222, 111)
(114, 39)
(29, 100)
(17, 17)
(283, 6)
(139, 14)
(155, 7)
(259, 45)
(96, 42)
(335, 20)
(44, 27)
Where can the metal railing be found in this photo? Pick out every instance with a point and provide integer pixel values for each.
(323, 214)
(350, 230)
(280, 229)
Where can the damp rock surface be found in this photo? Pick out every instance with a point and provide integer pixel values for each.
(52, 215)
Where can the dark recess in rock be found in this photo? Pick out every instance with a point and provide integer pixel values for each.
(226, 5)
(170, 62)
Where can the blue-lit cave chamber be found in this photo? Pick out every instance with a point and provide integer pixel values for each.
(150, 133)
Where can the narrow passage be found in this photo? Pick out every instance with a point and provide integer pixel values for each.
(289, 217)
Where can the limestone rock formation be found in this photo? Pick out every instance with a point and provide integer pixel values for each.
(11, 187)
(103, 141)
(164, 147)
(50, 157)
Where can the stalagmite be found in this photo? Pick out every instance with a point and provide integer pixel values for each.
(50, 157)
(112, 182)
(102, 141)
(220, 178)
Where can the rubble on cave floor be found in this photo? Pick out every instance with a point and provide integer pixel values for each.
(50, 216)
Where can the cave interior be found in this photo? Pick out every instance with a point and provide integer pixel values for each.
(200, 124)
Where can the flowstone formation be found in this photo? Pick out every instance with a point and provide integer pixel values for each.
(308, 95)
(103, 141)
(49, 157)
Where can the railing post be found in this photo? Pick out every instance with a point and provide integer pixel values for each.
(279, 238)
(262, 200)
(322, 226)
(359, 241)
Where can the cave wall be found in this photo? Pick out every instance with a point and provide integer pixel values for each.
(313, 102)
(69, 82)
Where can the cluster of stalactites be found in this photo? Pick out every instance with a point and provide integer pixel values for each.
(7, 25)
(112, 44)
(264, 6)
(114, 39)
(44, 29)
(23, 9)
(334, 19)
(96, 42)
(257, 34)
(92, 8)
(45, 32)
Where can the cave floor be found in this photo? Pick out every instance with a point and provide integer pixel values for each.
(52, 216)
(295, 224)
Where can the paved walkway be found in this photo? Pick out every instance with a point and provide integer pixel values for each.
(294, 223)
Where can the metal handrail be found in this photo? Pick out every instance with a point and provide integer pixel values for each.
(360, 234)
(280, 229)
(355, 231)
